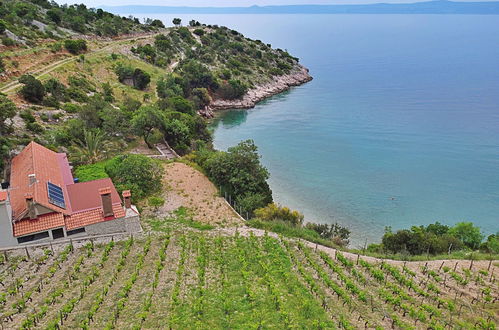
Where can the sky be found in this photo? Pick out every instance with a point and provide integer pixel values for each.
(229, 3)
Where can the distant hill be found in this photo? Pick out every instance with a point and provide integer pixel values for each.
(430, 7)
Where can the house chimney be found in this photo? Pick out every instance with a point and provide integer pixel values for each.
(107, 203)
(30, 206)
(127, 197)
(32, 179)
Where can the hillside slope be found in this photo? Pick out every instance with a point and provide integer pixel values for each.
(210, 279)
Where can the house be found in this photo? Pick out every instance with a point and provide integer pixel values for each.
(44, 203)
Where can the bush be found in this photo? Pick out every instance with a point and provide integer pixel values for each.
(3, 26)
(273, 212)
(35, 127)
(91, 172)
(199, 32)
(340, 235)
(33, 90)
(157, 23)
(233, 89)
(6, 41)
(75, 46)
(432, 239)
(140, 174)
(287, 229)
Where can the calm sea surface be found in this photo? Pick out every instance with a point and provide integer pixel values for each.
(400, 126)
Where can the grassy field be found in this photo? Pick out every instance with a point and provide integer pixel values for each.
(203, 279)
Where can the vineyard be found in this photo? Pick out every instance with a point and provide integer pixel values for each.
(197, 280)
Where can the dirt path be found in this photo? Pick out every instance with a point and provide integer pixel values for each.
(13, 85)
(477, 264)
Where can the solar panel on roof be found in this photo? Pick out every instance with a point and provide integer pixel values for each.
(56, 195)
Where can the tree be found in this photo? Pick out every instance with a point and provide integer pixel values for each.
(33, 90)
(233, 89)
(146, 120)
(157, 23)
(240, 173)
(141, 79)
(75, 46)
(3, 26)
(138, 173)
(180, 104)
(7, 112)
(178, 134)
(467, 233)
(92, 148)
(177, 21)
(55, 15)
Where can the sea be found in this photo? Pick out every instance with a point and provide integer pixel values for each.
(399, 128)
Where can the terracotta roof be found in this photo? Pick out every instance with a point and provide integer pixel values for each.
(47, 166)
(3, 196)
(85, 195)
(42, 223)
(83, 200)
(85, 218)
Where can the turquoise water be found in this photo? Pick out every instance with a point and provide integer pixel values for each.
(399, 127)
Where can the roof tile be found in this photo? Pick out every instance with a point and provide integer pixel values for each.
(42, 223)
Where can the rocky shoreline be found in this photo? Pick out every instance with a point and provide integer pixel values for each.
(298, 76)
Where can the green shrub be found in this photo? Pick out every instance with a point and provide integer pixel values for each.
(35, 127)
(8, 42)
(233, 89)
(91, 172)
(289, 230)
(75, 46)
(273, 212)
(140, 174)
(33, 90)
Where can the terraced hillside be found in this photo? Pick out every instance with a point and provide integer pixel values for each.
(187, 279)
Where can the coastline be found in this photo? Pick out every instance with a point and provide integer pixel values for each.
(300, 75)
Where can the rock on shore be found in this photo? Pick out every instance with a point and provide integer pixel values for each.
(298, 76)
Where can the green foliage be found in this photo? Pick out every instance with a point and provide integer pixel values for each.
(32, 90)
(140, 174)
(233, 89)
(288, 230)
(146, 120)
(157, 23)
(274, 212)
(75, 46)
(334, 232)
(467, 233)
(177, 21)
(138, 78)
(240, 173)
(7, 112)
(3, 26)
(180, 104)
(91, 172)
(156, 202)
(91, 149)
(5, 147)
(432, 239)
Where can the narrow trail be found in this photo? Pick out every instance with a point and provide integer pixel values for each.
(13, 85)
(247, 231)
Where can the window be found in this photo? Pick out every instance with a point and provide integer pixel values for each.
(33, 237)
(75, 231)
(57, 233)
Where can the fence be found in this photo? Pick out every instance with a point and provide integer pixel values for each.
(233, 205)
(36, 249)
